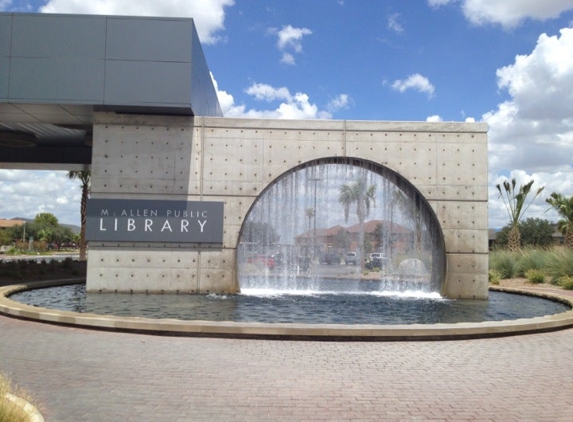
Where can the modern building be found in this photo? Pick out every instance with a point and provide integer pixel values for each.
(131, 99)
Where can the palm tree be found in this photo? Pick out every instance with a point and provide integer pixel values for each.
(309, 212)
(564, 207)
(412, 213)
(364, 196)
(84, 177)
(515, 203)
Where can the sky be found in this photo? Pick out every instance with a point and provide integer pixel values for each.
(508, 63)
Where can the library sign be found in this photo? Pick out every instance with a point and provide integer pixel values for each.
(121, 220)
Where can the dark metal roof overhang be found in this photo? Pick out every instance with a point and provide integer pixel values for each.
(56, 70)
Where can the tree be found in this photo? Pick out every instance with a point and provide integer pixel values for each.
(342, 239)
(411, 213)
(535, 232)
(309, 212)
(85, 178)
(564, 207)
(261, 233)
(516, 206)
(364, 197)
(46, 220)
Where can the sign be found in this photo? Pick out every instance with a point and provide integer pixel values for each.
(121, 220)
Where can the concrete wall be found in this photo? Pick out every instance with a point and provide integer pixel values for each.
(233, 160)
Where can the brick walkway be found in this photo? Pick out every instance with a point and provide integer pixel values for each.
(81, 375)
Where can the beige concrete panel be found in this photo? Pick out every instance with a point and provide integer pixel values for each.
(268, 124)
(237, 160)
(232, 188)
(466, 241)
(217, 281)
(217, 260)
(462, 215)
(468, 263)
(127, 279)
(386, 126)
(461, 164)
(474, 193)
(182, 281)
(466, 276)
(384, 137)
(415, 162)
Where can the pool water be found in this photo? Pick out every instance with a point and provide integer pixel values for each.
(368, 307)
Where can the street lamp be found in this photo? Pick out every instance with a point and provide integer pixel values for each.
(314, 179)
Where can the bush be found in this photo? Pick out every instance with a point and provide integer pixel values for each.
(535, 276)
(68, 263)
(566, 282)
(9, 411)
(504, 262)
(494, 277)
(532, 259)
(560, 264)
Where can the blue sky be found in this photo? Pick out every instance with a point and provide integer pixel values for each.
(506, 62)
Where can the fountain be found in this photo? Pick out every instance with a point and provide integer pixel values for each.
(333, 241)
(297, 234)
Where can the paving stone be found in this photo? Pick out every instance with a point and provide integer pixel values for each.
(82, 375)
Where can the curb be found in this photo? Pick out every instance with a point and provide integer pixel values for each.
(288, 331)
(33, 414)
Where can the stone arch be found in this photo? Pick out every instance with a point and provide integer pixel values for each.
(423, 220)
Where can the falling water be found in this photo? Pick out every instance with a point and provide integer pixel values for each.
(297, 235)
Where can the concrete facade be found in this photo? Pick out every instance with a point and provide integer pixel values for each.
(234, 160)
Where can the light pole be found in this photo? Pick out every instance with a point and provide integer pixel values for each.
(314, 179)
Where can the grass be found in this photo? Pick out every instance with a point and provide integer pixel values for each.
(9, 411)
(534, 264)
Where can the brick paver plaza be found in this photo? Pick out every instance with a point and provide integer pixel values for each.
(84, 375)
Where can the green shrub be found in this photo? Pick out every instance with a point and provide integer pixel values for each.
(535, 276)
(68, 263)
(494, 277)
(504, 262)
(566, 282)
(532, 259)
(560, 264)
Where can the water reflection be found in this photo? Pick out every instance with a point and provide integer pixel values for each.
(310, 307)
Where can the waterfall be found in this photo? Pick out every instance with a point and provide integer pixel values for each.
(298, 232)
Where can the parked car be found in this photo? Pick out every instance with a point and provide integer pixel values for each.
(350, 258)
(263, 260)
(376, 260)
(329, 259)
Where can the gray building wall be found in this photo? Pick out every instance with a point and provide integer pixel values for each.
(114, 63)
(233, 160)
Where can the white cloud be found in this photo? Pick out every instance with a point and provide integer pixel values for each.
(507, 13)
(531, 134)
(288, 58)
(26, 193)
(209, 16)
(438, 3)
(534, 129)
(290, 39)
(416, 82)
(5, 4)
(341, 102)
(434, 118)
(393, 23)
(297, 106)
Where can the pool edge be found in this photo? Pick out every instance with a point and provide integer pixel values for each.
(287, 331)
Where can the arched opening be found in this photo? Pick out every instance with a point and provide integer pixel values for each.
(341, 223)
